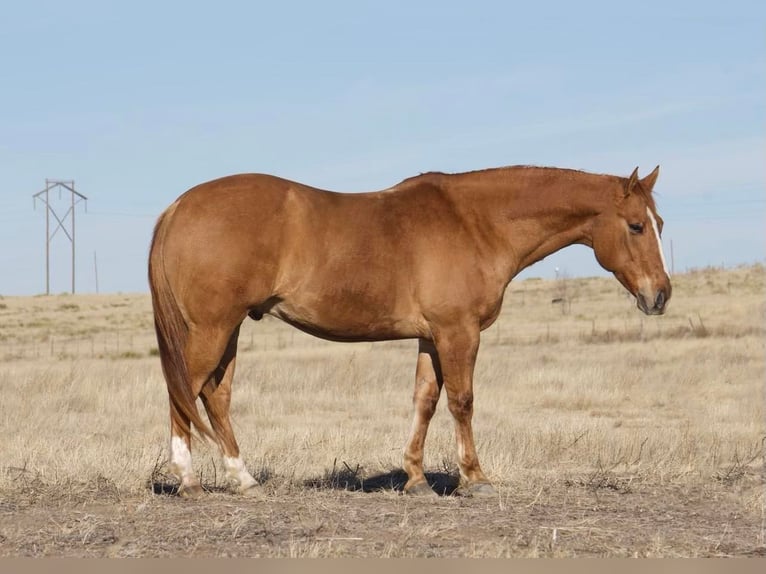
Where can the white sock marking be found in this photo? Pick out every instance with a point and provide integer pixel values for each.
(180, 460)
(659, 241)
(235, 468)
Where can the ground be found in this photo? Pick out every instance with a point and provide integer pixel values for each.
(594, 517)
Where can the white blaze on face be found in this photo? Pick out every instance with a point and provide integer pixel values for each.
(235, 468)
(659, 242)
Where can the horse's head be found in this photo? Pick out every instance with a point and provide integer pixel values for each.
(626, 240)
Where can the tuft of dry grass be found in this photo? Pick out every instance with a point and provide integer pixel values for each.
(657, 423)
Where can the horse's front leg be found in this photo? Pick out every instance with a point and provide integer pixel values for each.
(457, 349)
(428, 386)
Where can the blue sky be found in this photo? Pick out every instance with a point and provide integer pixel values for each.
(138, 101)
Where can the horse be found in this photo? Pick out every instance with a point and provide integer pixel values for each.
(428, 259)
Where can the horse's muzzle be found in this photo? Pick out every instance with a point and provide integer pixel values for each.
(657, 305)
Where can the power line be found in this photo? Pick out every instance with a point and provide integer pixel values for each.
(123, 214)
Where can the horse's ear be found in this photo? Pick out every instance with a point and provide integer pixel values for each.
(632, 181)
(648, 182)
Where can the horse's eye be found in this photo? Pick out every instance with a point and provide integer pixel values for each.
(636, 227)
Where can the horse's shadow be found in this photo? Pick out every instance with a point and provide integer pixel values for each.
(164, 484)
(443, 483)
(170, 488)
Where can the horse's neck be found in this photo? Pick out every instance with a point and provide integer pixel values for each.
(532, 217)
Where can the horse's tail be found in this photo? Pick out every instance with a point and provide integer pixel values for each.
(172, 332)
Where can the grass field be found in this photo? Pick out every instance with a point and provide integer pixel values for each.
(606, 433)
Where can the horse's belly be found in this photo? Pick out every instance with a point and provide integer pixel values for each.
(348, 322)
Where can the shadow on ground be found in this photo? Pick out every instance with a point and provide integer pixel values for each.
(444, 483)
(170, 488)
(164, 484)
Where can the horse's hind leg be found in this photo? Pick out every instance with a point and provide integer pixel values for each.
(180, 456)
(203, 354)
(216, 396)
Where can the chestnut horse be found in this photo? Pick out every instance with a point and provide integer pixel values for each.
(428, 259)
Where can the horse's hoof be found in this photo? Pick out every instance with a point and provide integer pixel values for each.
(478, 490)
(191, 492)
(420, 489)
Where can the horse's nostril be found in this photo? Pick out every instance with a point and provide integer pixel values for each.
(659, 302)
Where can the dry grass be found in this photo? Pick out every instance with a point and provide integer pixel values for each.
(622, 434)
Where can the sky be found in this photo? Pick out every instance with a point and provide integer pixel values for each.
(139, 101)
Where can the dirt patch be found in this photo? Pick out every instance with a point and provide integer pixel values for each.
(574, 517)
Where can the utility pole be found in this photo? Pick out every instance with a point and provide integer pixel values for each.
(44, 197)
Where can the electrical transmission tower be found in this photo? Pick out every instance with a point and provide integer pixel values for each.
(43, 196)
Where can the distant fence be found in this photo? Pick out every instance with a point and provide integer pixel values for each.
(117, 344)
